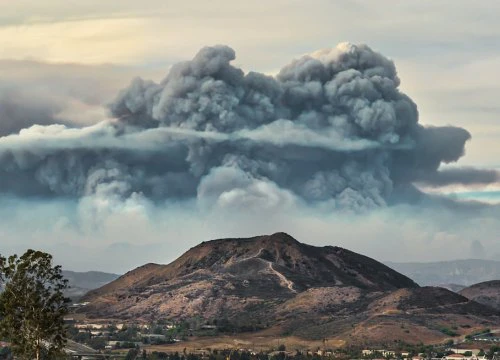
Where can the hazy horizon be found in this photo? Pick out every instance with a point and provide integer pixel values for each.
(388, 263)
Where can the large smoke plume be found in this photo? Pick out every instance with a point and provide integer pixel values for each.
(331, 129)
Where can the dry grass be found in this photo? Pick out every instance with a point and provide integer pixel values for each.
(261, 341)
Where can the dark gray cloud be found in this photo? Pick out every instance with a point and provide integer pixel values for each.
(331, 129)
(19, 111)
(39, 93)
(459, 176)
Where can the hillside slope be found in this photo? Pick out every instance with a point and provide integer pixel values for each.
(487, 293)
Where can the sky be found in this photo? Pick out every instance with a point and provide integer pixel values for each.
(108, 173)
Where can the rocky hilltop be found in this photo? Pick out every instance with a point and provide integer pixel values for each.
(214, 276)
(276, 282)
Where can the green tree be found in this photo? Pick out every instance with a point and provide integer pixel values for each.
(97, 343)
(32, 305)
(132, 354)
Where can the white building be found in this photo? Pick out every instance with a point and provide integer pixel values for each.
(383, 352)
(463, 357)
(463, 351)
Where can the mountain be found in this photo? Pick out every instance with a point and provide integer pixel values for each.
(275, 283)
(82, 282)
(464, 272)
(487, 293)
(275, 267)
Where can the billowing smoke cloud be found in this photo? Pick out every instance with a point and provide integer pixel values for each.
(331, 129)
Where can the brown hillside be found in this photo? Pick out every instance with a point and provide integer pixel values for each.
(487, 293)
(295, 266)
(275, 282)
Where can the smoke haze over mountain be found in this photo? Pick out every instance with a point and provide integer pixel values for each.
(327, 141)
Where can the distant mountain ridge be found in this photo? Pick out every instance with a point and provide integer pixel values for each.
(458, 272)
(276, 282)
(452, 287)
(82, 282)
